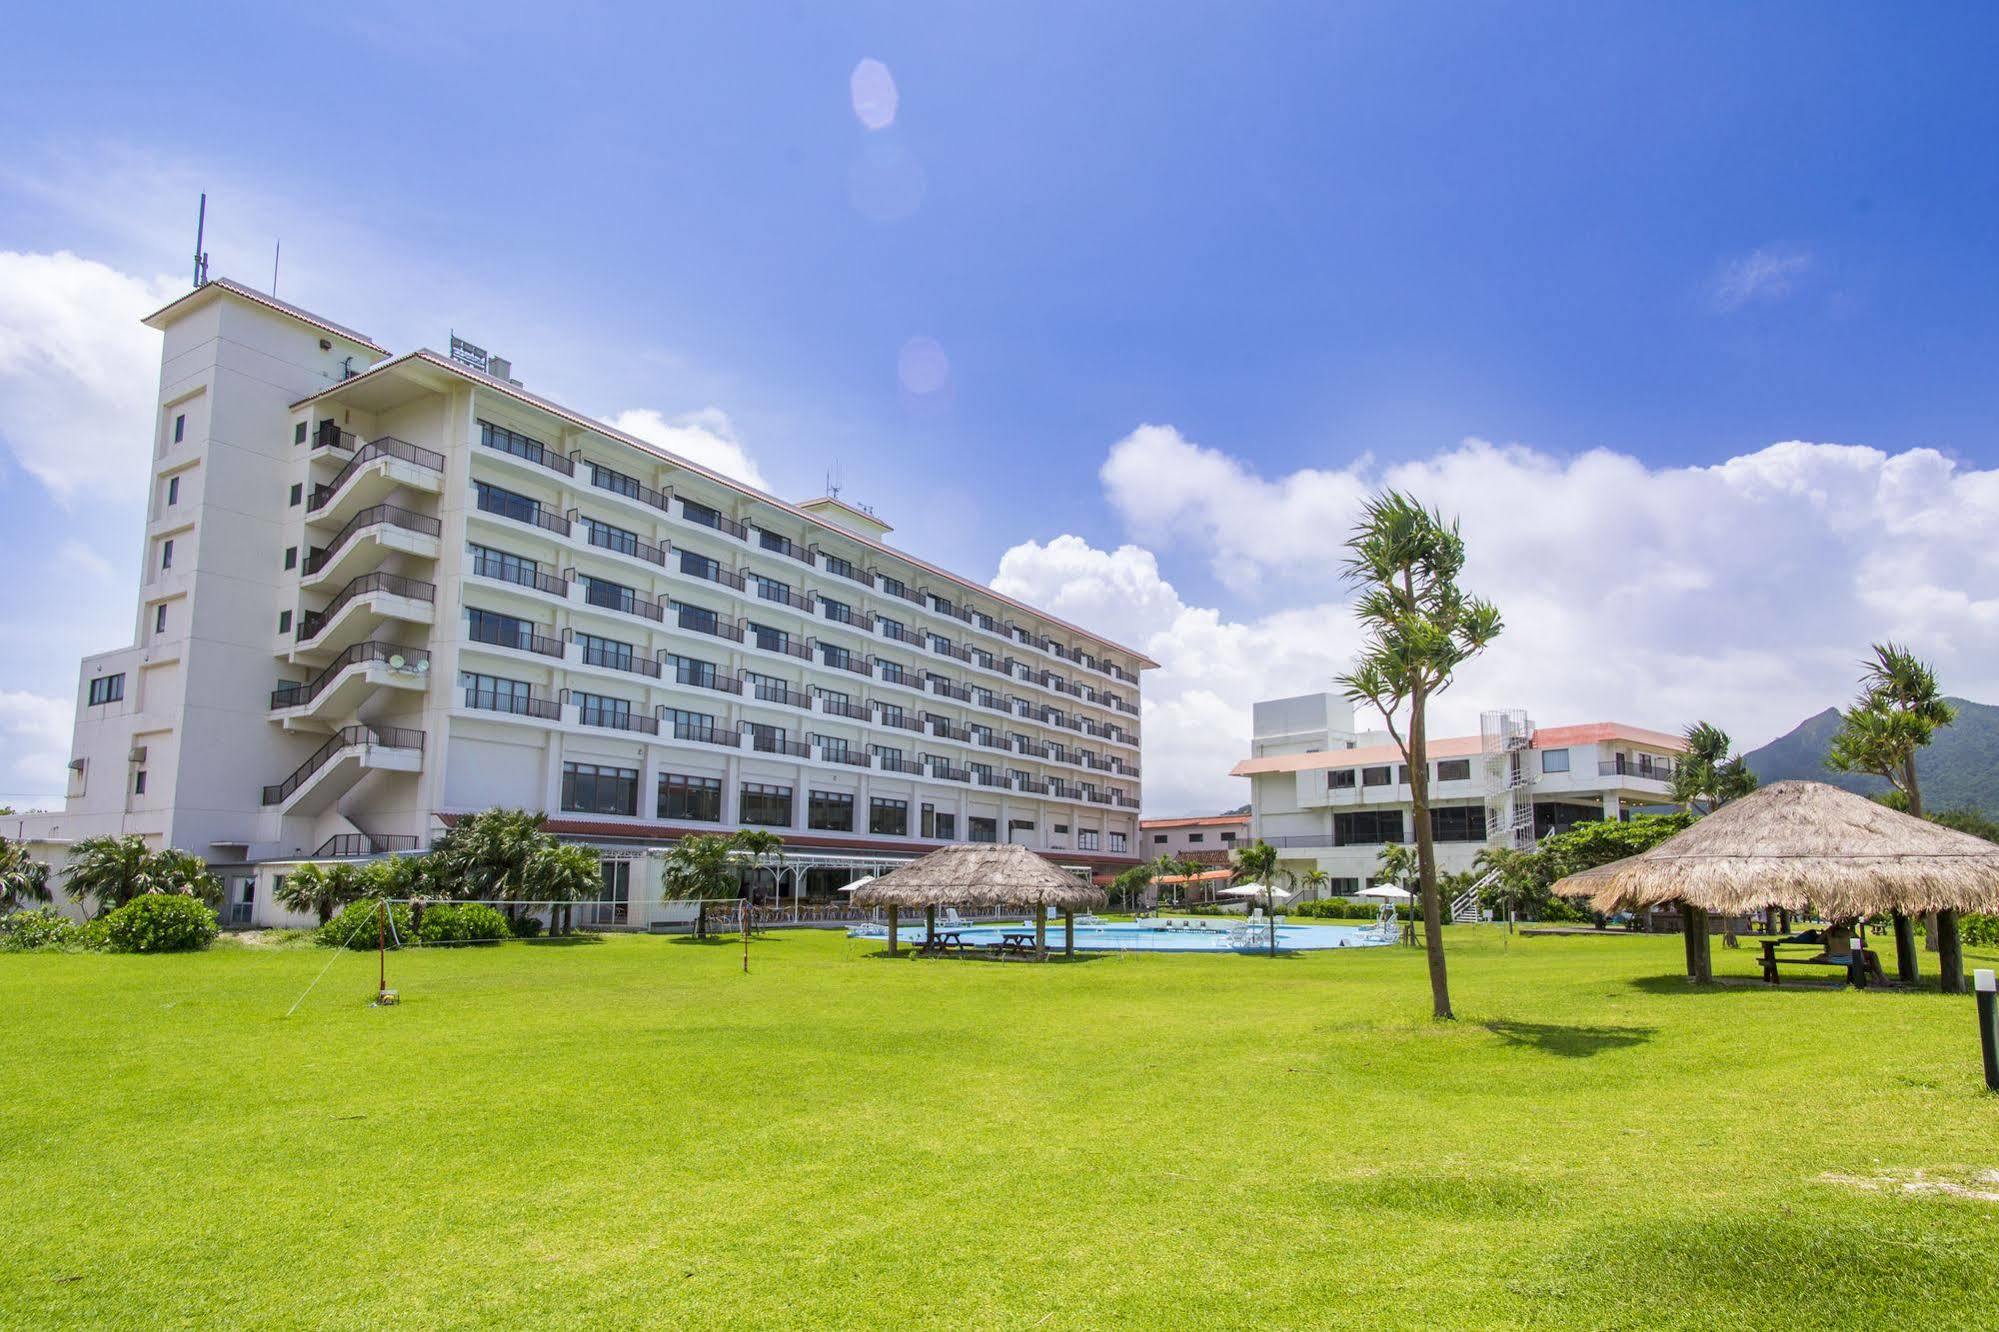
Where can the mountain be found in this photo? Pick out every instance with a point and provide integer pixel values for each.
(1959, 769)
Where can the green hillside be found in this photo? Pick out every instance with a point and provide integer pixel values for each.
(1960, 769)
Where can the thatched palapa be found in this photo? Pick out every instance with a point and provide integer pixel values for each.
(980, 875)
(1794, 844)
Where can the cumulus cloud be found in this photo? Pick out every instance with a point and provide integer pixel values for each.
(1760, 275)
(707, 437)
(78, 373)
(1742, 593)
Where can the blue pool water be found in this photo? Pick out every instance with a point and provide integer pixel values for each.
(1204, 936)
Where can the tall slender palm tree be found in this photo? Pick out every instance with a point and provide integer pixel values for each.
(1405, 561)
(762, 847)
(1257, 863)
(1900, 709)
(23, 882)
(1709, 776)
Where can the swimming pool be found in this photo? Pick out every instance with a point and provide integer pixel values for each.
(1153, 936)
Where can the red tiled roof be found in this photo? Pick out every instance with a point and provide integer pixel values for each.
(1194, 821)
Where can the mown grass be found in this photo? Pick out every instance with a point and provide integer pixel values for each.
(633, 1133)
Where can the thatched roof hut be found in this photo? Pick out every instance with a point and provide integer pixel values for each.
(1791, 844)
(983, 874)
(980, 874)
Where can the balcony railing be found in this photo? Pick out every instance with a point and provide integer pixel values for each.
(394, 585)
(610, 596)
(1657, 772)
(770, 744)
(702, 733)
(776, 692)
(630, 487)
(887, 764)
(296, 694)
(945, 689)
(784, 597)
(896, 633)
(331, 436)
(900, 723)
(706, 679)
(342, 846)
(377, 515)
(847, 663)
(851, 757)
(623, 543)
(833, 707)
(700, 624)
(347, 737)
(694, 566)
(619, 659)
(944, 649)
(900, 591)
(387, 446)
(1124, 802)
(521, 705)
(488, 566)
(702, 516)
(945, 730)
(520, 636)
(944, 772)
(771, 640)
(989, 779)
(523, 511)
(616, 719)
(1030, 785)
(528, 450)
(784, 546)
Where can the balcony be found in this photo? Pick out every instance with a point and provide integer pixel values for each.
(350, 677)
(773, 640)
(944, 772)
(785, 597)
(377, 468)
(517, 704)
(692, 565)
(1031, 786)
(764, 691)
(703, 734)
(612, 597)
(990, 779)
(518, 510)
(785, 546)
(616, 718)
(849, 757)
(522, 638)
(890, 587)
(348, 755)
(900, 723)
(350, 846)
(770, 744)
(833, 707)
(362, 606)
(527, 450)
(486, 566)
(618, 659)
(1644, 772)
(896, 633)
(846, 663)
(709, 624)
(944, 649)
(703, 516)
(388, 526)
(945, 689)
(620, 542)
(708, 679)
(902, 765)
(604, 478)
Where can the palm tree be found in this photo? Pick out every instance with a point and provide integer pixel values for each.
(1130, 883)
(321, 889)
(1314, 880)
(1400, 868)
(485, 856)
(562, 873)
(699, 868)
(1405, 559)
(1708, 776)
(106, 872)
(1899, 710)
(761, 847)
(23, 882)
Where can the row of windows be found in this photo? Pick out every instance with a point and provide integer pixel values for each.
(1227, 838)
(1447, 770)
(1372, 827)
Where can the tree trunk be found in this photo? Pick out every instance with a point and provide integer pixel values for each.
(1426, 858)
(1932, 927)
(1702, 969)
(1905, 948)
(891, 932)
(1040, 933)
(1950, 954)
(1687, 941)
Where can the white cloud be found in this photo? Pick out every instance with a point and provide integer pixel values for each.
(78, 373)
(706, 436)
(1742, 593)
(1760, 275)
(34, 736)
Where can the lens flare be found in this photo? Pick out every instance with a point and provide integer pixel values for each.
(871, 88)
(922, 368)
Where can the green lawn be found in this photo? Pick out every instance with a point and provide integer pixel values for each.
(633, 1133)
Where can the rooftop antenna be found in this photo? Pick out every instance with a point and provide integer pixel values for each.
(277, 248)
(833, 481)
(201, 255)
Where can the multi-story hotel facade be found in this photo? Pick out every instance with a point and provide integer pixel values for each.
(381, 591)
(1329, 796)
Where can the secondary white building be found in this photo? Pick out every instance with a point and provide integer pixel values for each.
(383, 590)
(1329, 796)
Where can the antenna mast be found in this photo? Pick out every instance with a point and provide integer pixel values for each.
(277, 248)
(201, 255)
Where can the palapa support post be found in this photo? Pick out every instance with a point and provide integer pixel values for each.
(1905, 948)
(1950, 954)
(893, 947)
(1068, 932)
(1687, 940)
(1040, 933)
(930, 925)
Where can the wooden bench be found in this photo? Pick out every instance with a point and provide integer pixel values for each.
(1861, 965)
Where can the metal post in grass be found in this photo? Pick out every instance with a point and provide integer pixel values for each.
(381, 950)
(1986, 983)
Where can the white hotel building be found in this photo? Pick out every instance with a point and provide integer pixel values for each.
(380, 591)
(1329, 797)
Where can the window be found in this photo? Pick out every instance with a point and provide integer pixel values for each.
(1457, 823)
(1018, 826)
(763, 736)
(890, 672)
(982, 830)
(602, 710)
(180, 427)
(605, 652)
(167, 554)
(1086, 839)
(1555, 760)
(1367, 827)
(160, 618)
(139, 782)
(297, 493)
(605, 478)
(944, 827)
(1374, 776)
(688, 725)
(173, 490)
(895, 587)
(1402, 773)
(768, 806)
(298, 437)
(507, 441)
(836, 610)
(1159, 839)
(589, 788)
(830, 811)
(1192, 838)
(614, 896)
(607, 594)
(503, 565)
(832, 746)
(698, 618)
(1118, 841)
(844, 568)
(507, 503)
(767, 638)
(696, 799)
(888, 818)
(1340, 779)
(1228, 838)
(700, 513)
(610, 538)
(887, 757)
(284, 622)
(107, 689)
(1454, 770)
(484, 626)
(769, 588)
(494, 693)
(836, 656)
(691, 670)
(291, 557)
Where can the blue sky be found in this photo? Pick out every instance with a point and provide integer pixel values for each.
(1315, 243)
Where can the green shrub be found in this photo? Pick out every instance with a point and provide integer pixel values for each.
(1338, 908)
(461, 922)
(357, 927)
(1979, 931)
(28, 931)
(525, 926)
(160, 923)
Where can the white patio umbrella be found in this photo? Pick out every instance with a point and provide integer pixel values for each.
(1387, 892)
(858, 883)
(1256, 890)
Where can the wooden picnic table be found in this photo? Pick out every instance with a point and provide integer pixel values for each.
(1860, 964)
(942, 942)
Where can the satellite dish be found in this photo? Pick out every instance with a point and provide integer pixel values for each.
(396, 660)
(422, 667)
